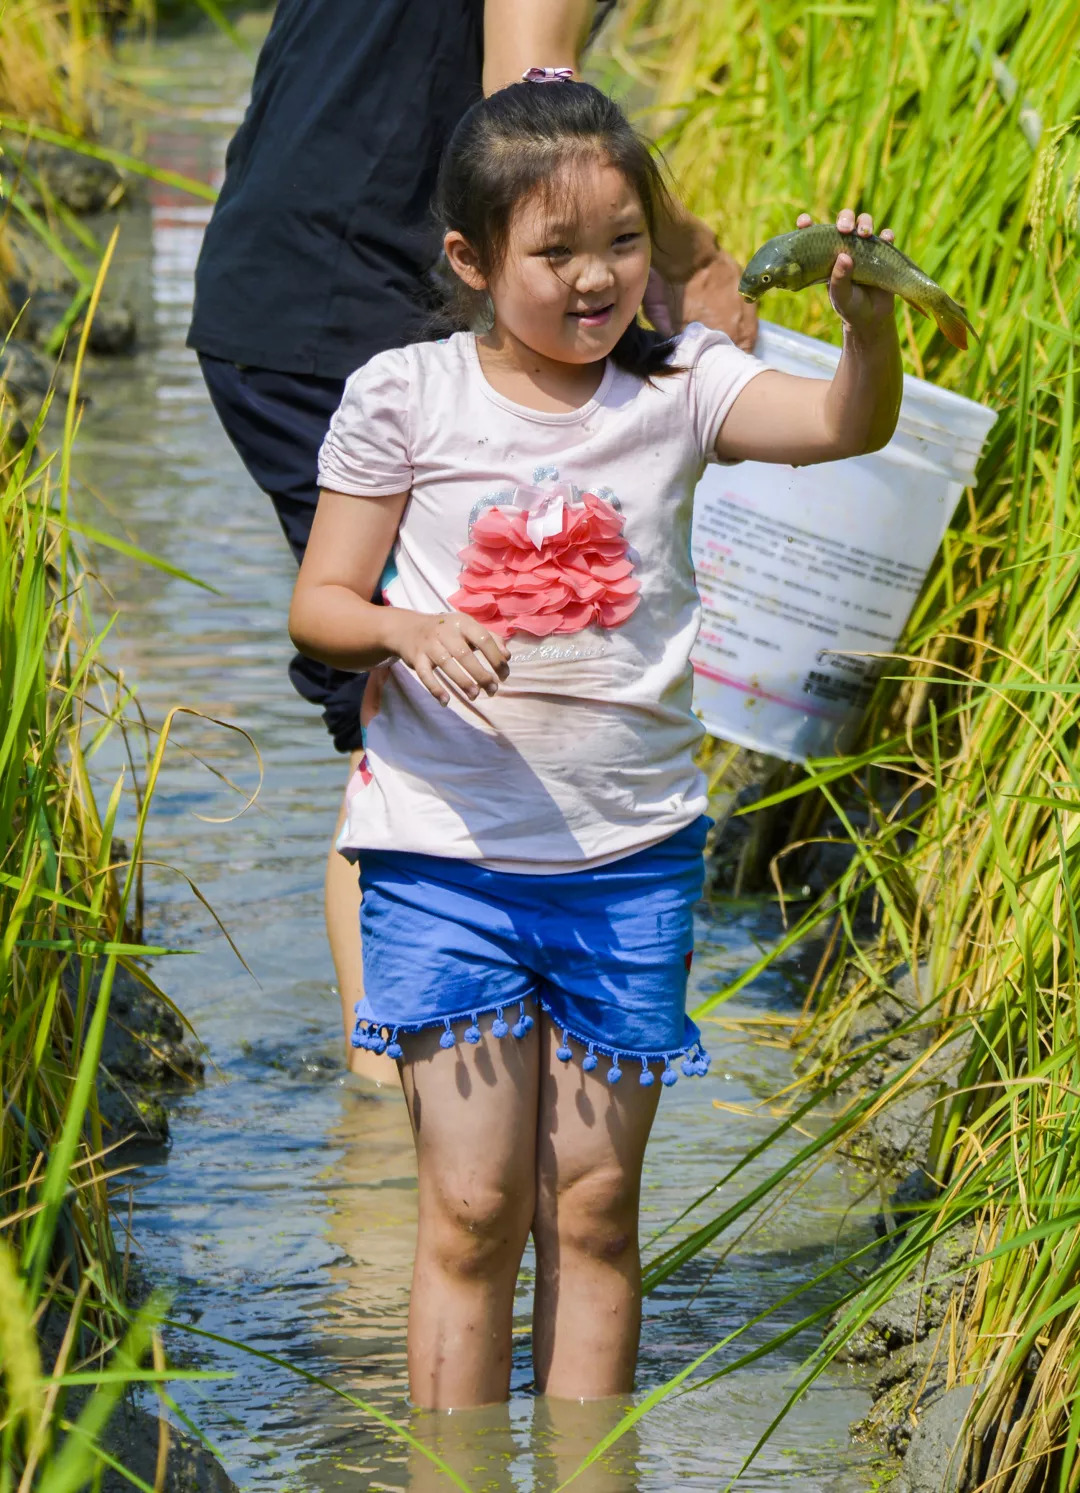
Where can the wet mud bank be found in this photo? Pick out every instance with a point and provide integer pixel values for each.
(133, 1438)
(147, 1055)
(794, 844)
(57, 202)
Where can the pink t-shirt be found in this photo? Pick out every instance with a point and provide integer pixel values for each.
(569, 535)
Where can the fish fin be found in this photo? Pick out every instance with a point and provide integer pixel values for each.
(953, 323)
(888, 243)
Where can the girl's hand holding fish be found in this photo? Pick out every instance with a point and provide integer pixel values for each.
(857, 305)
(779, 417)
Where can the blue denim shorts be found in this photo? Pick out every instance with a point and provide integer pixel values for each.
(604, 952)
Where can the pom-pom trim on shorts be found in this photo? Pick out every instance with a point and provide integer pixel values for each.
(383, 1037)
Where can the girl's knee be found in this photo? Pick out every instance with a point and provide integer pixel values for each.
(475, 1230)
(594, 1215)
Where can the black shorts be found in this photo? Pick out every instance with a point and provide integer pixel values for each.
(277, 422)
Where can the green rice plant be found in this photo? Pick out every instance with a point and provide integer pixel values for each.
(958, 126)
(50, 61)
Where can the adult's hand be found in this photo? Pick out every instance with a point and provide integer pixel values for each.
(695, 280)
(710, 295)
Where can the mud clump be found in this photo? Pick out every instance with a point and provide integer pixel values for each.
(145, 1052)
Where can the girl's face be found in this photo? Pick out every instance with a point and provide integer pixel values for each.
(573, 278)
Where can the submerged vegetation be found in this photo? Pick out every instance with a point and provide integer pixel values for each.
(958, 127)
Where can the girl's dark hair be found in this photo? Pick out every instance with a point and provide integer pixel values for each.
(512, 145)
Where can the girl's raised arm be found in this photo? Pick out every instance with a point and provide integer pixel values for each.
(779, 417)
(332, 619)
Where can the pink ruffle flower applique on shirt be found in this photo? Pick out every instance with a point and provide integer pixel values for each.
(547, 559)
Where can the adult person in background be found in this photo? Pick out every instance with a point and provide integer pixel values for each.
(320, 254)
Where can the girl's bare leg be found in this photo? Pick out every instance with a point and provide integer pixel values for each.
(473, 1112)
(342, 893)
(591, 1138)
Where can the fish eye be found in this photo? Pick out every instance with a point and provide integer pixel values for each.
(766, 279)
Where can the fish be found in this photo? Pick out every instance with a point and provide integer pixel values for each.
(792, 261)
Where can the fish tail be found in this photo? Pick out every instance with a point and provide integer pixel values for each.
(952, 321)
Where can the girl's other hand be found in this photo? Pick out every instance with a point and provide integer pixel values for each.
(449, 646)
(862, 307)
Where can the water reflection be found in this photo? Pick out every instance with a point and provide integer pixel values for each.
(284, 1215)
(563, 1435)
(490, 1453)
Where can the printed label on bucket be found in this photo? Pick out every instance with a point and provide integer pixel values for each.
(803, 572)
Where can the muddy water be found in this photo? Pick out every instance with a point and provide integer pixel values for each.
(283, 1215)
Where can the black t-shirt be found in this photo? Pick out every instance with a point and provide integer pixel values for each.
(322, 240)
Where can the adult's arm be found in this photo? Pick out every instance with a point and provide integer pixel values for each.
(519, 34)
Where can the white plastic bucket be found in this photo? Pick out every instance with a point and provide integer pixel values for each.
(802, 569)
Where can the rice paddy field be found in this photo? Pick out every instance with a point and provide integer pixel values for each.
(957, 125)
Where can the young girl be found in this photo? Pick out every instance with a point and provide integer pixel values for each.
(528, 818)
